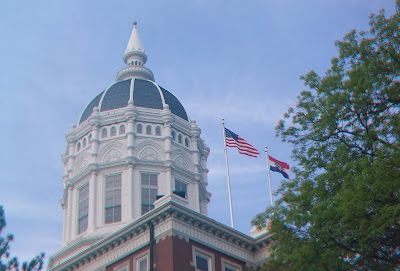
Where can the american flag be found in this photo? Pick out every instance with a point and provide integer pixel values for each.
(233, 140)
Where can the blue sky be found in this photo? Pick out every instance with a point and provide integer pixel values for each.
(233, 59)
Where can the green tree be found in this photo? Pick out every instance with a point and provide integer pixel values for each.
(11, 263)
(341, 211)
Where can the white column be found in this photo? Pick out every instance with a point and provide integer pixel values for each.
(74, 214)
(168, 161)
(131, 136)
(71, 157)
(137, 211)
(69, 215)
(196, 192)
(167, 140)
(126, 195)
(169, 181)
(95, 143)
(131, 199)
(92, 202)
(65, 210)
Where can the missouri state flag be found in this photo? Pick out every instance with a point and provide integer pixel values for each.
(278, 166)
(244, 147)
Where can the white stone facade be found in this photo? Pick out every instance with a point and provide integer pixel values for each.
(129, 155)
(110, 143)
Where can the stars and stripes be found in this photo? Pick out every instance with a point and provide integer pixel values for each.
(233, 140)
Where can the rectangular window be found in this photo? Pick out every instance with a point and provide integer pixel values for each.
(113, 199)
(83, 207)
(181, 186)
(230, 266)
(123, 267)
(149, 191)
(143, 264)
(203, 260)
(201, 263)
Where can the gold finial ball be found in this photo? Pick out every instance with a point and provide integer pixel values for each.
(134, 23)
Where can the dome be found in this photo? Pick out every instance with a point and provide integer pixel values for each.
(144, 93)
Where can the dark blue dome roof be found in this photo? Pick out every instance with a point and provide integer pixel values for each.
(145, 93)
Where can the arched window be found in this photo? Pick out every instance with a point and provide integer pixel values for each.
(122, 129)
(78, 146)
(173, 135)
(104, 133)
(148, 130)
(186, 142)
(158, 131)
(90, 138)
(84, 143)
(113, 131)
(139, 128)
(180, 138)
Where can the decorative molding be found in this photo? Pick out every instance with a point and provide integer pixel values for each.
(168, 218)
(107, 148)
(181, 162)
(182, 159)
(145, 145)
(112, 155)
(81, 163)
(149, 154)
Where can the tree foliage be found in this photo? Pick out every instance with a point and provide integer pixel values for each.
(342, 209)
(8, 263)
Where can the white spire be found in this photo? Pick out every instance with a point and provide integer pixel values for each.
(135, 57)
(134, 43)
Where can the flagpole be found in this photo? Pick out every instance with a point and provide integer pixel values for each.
(227, 175)
(269, 175)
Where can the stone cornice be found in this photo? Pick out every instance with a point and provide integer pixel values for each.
(179, 215)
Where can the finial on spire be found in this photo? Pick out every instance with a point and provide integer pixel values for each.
(135, 57)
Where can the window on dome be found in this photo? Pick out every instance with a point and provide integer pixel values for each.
(113, 131)
(113, 199)
(84, 143)
(186, 142)
(148, 130)
(83, 207)
(173, 134)
(104, 133)
(180, 138)
(149, 191)
(90, 137)
(158, 131)
(139, 128)
(78, 146)
(122, 129)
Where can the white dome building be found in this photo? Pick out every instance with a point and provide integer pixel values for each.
(133, 142)
(135, 185)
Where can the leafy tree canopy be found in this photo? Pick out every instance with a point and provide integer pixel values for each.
(342, 209)
(8, 263)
